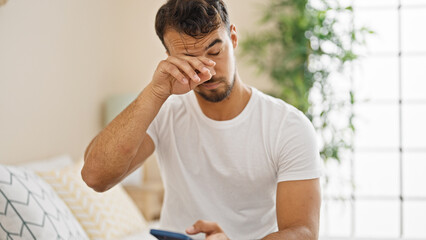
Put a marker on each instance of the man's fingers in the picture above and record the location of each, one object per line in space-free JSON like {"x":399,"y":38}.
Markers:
{"x":185,"y":67}
{"x":207,"y":61}
{"x":206,"y":227}
{"x":202,"y":67}
{"x":205,"y":77}
{"x":195,"y":67}
{"x":174,"y":72}
{"x":191,"y":230}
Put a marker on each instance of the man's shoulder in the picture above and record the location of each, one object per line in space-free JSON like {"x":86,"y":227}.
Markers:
{"x":274,"y":104}
{"x":268,"y":99}
{"x":279,"y":110}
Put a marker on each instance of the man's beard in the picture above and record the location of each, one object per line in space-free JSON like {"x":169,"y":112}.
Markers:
{"x":215,"y":95}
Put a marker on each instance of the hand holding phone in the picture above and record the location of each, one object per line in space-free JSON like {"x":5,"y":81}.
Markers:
{"x":166,"y":235}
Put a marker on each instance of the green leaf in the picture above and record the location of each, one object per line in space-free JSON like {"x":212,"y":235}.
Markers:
{"x":289,"y":49}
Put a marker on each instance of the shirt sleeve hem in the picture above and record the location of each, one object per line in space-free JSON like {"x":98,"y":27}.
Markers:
{"x":301,"y":176}
{"x":154,"y":139}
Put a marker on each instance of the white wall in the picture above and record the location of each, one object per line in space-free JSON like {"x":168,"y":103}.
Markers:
{"x":60,"y":60}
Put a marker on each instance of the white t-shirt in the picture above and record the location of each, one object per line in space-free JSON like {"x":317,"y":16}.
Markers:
{"x":227,"y":171}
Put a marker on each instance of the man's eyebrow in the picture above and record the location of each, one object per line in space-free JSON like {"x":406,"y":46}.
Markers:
{"x":213,"y":43}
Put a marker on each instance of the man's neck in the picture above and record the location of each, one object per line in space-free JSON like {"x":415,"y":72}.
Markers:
{"x":231,"y":106}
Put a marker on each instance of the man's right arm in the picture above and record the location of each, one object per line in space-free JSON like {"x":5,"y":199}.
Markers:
{"x":123,"y":145}
{"x":112,"y":153}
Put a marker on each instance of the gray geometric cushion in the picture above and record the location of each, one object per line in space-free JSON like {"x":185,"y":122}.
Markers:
{"x":30,"y":209}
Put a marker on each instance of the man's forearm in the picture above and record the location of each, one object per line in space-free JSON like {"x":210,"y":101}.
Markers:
{"x":293,"y":233}
{"x":109,"y":155}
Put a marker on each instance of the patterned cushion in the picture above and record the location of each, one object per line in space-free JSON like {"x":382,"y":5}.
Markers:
{"x":30,"y":208}
{"x":109,"y":215}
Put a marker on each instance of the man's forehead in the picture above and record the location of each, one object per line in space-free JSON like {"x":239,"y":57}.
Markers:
{"x":181,"y":43}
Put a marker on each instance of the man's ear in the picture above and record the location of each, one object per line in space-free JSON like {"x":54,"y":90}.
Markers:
{"x":233,"y":35}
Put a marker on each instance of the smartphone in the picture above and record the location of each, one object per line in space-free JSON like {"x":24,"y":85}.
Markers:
{"x":166,"y":235}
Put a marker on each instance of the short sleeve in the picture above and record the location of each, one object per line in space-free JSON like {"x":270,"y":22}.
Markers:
{"x":298,"y":152}
{"x":157,"y":125}
{"x":152,"y":131}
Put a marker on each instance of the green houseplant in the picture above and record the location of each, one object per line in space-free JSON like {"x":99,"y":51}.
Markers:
{"x":305,"y":48}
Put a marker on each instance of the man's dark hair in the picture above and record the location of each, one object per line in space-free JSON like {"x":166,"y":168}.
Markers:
{"x":196,"y":18}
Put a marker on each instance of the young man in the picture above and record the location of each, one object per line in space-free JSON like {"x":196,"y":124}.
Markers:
{"x":235,"y":162}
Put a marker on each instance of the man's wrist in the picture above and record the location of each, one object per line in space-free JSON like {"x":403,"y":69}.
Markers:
{"x":159,"y":97}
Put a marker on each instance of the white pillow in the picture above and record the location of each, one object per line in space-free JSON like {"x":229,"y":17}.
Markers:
{"x":30,"y":208}
{"x":62,"y":161}
{"x":111,"y":215}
